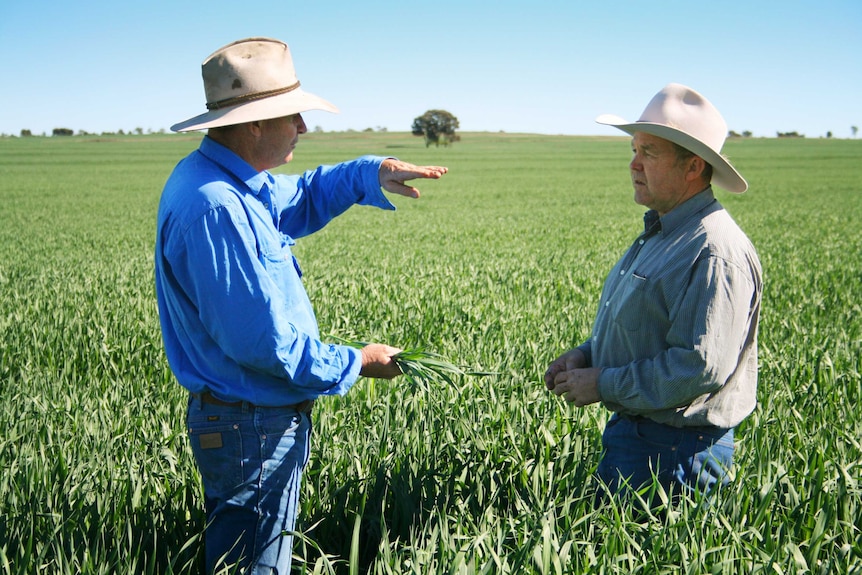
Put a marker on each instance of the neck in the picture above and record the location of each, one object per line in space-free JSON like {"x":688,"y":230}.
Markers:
{"x":237,"y":140}
{"x":690,"y":192}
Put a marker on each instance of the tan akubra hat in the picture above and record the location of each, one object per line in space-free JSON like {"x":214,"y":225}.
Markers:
{"x":249,"y":80}
{"x":681,"y":115}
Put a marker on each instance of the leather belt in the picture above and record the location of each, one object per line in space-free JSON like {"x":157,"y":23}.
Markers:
{"x":699,"y":428}
{"x":207,"y":397}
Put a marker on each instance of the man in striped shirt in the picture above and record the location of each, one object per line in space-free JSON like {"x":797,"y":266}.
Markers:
{"x":673,"y":350}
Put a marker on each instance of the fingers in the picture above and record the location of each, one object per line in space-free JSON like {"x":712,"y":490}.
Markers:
{"x":578,"y":386}
{"x":572,"y":359}
{"x":410,"y":172}
{"x":404,"y":171}
{"x":551,"y":374}
{"x":565,"y":390}
{"x":401,"y":189}
{"x":563,"y":379}
{"x":393,"y":174}
{"x":568,"y":391}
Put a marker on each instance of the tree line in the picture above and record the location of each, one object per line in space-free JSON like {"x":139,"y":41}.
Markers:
{"x":437,"y":127}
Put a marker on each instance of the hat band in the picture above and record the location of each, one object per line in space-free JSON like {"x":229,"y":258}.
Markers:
{"x":250,"y":97}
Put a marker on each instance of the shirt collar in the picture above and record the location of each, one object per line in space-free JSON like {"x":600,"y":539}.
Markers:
{"x":675,"y":218}
{"x":651,"y":220}
{"x":235,"y":165}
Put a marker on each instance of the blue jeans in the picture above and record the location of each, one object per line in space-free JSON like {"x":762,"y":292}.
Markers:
{"x":251,"y":461}
{"x":684,"y":460}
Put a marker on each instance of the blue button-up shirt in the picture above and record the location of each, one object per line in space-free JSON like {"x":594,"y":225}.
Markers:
{"x":676,"y":330}
{"x":235,"y":317}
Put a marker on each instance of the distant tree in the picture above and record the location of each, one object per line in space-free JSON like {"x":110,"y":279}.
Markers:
{"x":437,"y":127}
{"x":746,"y":134}
{"x":829,"y":134}
{"x":62,"y":132}
{"x":854,"y":130}
{"x":318,"y":129}
{"x":26,"y":133}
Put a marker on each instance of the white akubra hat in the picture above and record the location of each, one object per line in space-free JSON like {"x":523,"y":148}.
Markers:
{"x":249,"y":80}
{"x":684,"y":117}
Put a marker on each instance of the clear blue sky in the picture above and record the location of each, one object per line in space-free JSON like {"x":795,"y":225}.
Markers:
{"x":543,"y":66}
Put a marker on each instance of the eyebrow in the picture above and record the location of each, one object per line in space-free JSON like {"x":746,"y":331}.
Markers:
{"x":646,"y":146}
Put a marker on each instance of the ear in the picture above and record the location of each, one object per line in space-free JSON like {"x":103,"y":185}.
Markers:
{"x":695,"y":168}
{"x":255,"y":128}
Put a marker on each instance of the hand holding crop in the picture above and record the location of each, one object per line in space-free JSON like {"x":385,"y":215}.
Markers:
{"x":377,"y":361}
{"x":393,"y":173}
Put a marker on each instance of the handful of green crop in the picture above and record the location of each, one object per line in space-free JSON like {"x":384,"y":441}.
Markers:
{"x":421,"y":367}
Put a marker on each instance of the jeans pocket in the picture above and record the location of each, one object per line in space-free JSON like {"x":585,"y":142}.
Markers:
{"x":218,"y":453}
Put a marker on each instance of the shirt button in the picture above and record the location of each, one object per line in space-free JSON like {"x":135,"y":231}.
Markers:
{"x":641,"y":242}
{"x":607,"y":303}
{"x":622,"y":272}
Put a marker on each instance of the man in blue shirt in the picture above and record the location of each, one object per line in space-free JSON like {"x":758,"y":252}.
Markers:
{"x":239,"y":330}
{"x":673,"y":350}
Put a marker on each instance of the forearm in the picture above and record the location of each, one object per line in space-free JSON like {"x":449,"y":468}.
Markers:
{"x":310,"y":201}
{"x":701,"y":347}
{"x":671,"y":380}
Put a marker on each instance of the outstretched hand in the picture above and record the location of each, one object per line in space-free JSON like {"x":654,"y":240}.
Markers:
{"x":393,"y":174}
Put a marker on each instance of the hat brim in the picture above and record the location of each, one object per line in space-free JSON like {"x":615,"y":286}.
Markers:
{"x":294,"y":102}
{"x":724,"y":175}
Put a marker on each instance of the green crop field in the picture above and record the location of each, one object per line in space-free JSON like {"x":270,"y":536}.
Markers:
{"x":498,"y":268}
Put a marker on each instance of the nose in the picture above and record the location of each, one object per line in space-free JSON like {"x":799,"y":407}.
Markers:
{"x":301,"y":128}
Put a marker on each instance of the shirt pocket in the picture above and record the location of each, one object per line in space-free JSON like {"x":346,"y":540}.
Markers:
{"x":278,"y":259}
{"x":629,"y":304}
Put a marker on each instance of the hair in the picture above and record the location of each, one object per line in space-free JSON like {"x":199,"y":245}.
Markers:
{"x":221,"y":131}
{"x":683,"y":154}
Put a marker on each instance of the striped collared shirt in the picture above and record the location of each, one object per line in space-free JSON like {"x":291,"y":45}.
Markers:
{"x":676,"y":330}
